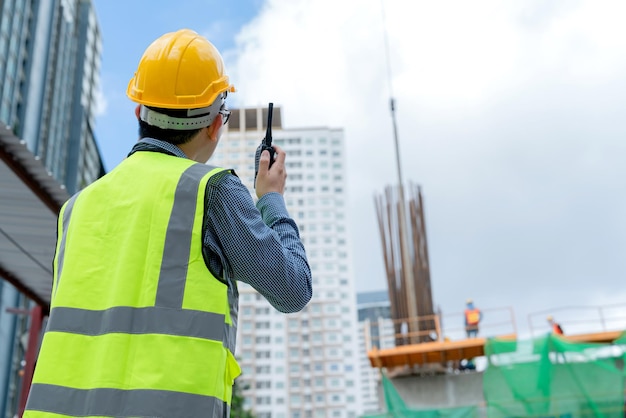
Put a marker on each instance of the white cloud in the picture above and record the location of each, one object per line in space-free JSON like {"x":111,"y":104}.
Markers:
{"x":510,"y":114}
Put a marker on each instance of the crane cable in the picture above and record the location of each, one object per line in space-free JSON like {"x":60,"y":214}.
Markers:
{"x":391,"y":99}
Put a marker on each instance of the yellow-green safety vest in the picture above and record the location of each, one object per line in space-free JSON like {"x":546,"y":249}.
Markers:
{"x":138,"y":325}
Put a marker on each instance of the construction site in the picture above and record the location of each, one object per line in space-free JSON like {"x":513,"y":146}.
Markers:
{"x":484,"y":361}
{"x":430,"y":366}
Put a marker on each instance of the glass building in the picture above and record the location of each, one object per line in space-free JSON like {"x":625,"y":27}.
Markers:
{"x":50,"y":52}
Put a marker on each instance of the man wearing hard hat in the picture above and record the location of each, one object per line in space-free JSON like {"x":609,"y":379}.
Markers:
{"x":144,"y":302}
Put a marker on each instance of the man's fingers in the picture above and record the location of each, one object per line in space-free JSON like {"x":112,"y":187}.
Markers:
{"x":264,"y":161}
{"x":280,"y":155}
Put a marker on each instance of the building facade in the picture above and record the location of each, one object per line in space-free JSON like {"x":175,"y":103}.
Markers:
{"x":306,"y":364}
{"x":50,"y":55}
{"x":375,"y":331}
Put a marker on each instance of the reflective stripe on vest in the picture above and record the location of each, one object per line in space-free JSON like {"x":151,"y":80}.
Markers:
{"x":127,"y":320}
{"x":64,"y":219}
{"x":126,"y":403}
{"x":175,"y":326}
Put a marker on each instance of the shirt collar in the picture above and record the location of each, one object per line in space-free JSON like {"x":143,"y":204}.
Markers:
{"x":166,"y":146}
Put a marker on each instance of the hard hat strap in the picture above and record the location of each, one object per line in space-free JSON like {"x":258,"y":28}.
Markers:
{"x":163,"y":121}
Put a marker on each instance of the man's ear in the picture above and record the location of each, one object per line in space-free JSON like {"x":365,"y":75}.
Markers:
{"x":137,"y":111}
{"x":215,"y":127}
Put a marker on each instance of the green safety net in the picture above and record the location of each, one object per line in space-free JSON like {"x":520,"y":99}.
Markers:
{"x":396,"y":407}
{"x":547,"y":377}
{"x":551,"y":377}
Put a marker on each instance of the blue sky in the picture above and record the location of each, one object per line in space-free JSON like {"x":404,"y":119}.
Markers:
{"x":510,"y":116}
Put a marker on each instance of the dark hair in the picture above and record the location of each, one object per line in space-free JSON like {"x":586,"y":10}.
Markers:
{"x":172,"y":136}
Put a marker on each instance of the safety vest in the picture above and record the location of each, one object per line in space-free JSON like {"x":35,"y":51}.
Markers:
{"x":472,"y":316}
{"x":138,"y":325}
{"x":556,"y":328}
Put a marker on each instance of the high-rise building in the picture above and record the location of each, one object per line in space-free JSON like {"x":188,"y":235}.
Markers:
{"x":375,"y":331}
{"x":50,"y":55}
{"x":306,"y":364}
{"x":50,"y":72}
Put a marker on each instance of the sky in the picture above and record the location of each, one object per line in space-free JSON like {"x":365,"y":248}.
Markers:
{"x":511,"y":117}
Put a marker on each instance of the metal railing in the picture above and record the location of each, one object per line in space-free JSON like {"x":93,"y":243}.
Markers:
{"x":387,"y":333}
{"x":579,"y":319}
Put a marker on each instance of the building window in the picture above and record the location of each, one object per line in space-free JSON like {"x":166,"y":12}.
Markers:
{"x":263,"y":369}
{"x":262,"y":354}
{"x":263,"y":384}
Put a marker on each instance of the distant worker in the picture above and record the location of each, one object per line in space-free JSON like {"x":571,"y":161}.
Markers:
{"x":143,"y":313}
{"x":556,"y":328}
{"x":473,"y":316}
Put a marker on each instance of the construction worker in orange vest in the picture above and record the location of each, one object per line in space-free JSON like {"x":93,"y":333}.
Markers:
{"x":556,"y":328}
{"x":473,"y":316}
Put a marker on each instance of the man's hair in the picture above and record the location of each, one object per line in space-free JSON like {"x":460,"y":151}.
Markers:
{"x":173,"y":136}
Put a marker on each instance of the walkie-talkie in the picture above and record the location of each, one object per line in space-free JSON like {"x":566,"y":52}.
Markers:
{"x":266,"y":143}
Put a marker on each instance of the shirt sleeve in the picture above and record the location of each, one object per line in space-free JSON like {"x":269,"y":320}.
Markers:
{"x":260,"y":245}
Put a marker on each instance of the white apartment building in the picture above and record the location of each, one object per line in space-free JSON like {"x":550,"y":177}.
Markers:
{"x":301,"y":365}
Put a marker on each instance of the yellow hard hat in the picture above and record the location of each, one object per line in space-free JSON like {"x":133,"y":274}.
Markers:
{"x":180,"y":70}
{"x":469,"y":301}
{"x":549,"y":318}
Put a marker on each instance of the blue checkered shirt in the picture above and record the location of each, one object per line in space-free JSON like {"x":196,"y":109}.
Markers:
{"x":259,"y":245}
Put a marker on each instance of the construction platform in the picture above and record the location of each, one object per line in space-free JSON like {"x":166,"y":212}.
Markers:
{"x":444,"y":351}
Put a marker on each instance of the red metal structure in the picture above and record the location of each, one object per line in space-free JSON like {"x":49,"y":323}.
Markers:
{"x":34,"y":333}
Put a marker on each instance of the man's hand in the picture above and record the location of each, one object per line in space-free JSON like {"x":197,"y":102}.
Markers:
{"x":271,"y":179}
